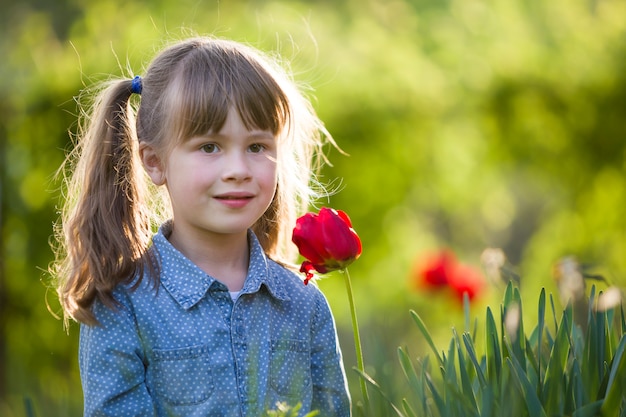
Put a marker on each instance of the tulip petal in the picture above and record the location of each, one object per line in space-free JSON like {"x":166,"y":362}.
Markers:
{"x":306,"y":237}
{"x":340,"y":241}
{"x":307,"y":250}
{"x":308,"y":269}
{"x":344,"y":217}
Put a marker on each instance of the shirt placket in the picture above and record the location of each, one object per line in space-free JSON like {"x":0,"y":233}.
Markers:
{"x":233,"y":314}
{"x":239,"y":342}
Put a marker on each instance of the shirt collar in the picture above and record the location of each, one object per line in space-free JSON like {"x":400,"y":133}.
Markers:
{"x":188,"y":284}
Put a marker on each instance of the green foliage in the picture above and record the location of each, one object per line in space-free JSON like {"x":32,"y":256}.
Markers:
{"x":469,"y":123}
{"x":551,"y":373}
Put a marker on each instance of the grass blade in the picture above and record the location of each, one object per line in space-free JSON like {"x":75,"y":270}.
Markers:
{"x":466,"y":383}
{"x":589,"y":410}
{"x":541,"y":321}
{"x":374,"y":384}
{"x":408,"y":409}
{"x":494,"y":355}
{"x":528,"y":391}
{"x":422,"y":327}
{"x":552,"y":393}
{"x":415,"y":383}
{"x":472,"y":355}
{"x":616,"y":388}
{"x":438,"y":399}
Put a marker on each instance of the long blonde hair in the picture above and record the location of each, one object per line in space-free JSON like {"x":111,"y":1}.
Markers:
{"x":107,"y":218}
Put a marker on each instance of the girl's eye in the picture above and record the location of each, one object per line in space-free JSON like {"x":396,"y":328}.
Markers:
{"x":256,"y":148}
{"x":209,"y":148}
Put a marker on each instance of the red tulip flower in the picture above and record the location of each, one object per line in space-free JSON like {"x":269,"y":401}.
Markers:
{"x":466,"y":280}
{"x":442,"y":270}
{"x":436,"y":270}
{"x":327,"y":241}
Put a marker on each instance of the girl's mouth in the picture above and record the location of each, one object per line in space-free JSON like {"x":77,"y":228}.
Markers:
{"x":234,"y":200}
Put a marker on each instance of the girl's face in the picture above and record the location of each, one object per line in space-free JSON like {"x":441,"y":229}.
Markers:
{"x":220,"y":183}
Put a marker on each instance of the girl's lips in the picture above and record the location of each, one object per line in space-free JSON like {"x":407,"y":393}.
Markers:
{"x":234,"y":200}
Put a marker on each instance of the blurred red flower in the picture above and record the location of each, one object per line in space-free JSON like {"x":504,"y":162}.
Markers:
{"x":441,"y":270}
{"x":466,"y":279}
{"x":436,"y":269}
{"x":327,"y":241}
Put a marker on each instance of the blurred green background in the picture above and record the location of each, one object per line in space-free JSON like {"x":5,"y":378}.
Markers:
{"x":468,"y":123}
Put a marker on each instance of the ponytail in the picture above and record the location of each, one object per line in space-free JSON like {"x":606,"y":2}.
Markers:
{"x":106,"y":226}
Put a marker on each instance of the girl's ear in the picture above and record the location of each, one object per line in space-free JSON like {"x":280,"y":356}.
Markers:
{"x":152,"y":163}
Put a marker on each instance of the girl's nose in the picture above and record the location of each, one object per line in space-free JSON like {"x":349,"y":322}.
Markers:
{"x":236,"y":167}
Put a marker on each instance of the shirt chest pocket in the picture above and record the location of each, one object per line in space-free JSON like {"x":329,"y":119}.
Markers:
{"x":290,"y":367}
{"x":183,"y":376}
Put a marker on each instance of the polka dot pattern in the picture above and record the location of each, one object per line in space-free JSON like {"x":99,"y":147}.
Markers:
{"x":187,"y":348}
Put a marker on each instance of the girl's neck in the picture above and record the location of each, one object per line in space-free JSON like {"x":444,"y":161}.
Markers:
{"x":224,"y":257}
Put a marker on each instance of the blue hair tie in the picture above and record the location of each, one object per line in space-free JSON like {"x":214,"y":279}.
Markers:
{"x":136,"y":86}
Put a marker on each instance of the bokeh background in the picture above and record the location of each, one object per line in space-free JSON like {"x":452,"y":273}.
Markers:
{"x":469,"y":124}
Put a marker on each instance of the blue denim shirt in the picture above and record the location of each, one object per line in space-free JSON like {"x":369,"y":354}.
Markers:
{"x":186,"y":349}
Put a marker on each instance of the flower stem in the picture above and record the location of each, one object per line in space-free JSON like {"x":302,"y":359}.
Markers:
{"x":357,"y":339}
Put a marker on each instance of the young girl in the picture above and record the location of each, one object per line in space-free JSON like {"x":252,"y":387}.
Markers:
{"x":201,"y":319}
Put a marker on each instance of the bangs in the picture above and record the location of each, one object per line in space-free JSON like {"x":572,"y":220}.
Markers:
{"x":212,"y":79}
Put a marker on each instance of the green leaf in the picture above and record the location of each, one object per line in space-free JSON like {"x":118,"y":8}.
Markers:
{"x":592,"y":297}
{"x":575,"y":395}
{"x":466,"y":311}
{"x":541,"y":313}
{"x":472,"y":355}
{"x":533,"y":370}
{"x":374,"y":384}
{"x":593,"y":358}
{"x":589,"y":410}
{"x":415,"y":383}
{"x":616,"y":388}
{"x":466,"y":383}
{"x":457,"y":403}
{"x":475,"y":331}
{"x":518,"y":339}
{"x":556,"y":324}
{"x":508,"y":294}
{"x":408,"y":409}
{"x":601,"y":342}
{"x":528,"y":391}
{"x":450,"y":365}
{"x":494,"y":356}
{"x":487,"y":408}
{"x":611,"y":342}
{"x":552,"y":393}
{"x":422,"y":327}
{"x":438,"y":399}
{"x":623,"y":319}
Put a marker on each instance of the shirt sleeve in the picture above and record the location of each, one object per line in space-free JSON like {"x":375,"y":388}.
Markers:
{"x":112,"y":369}
{"x":330,"y":391}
